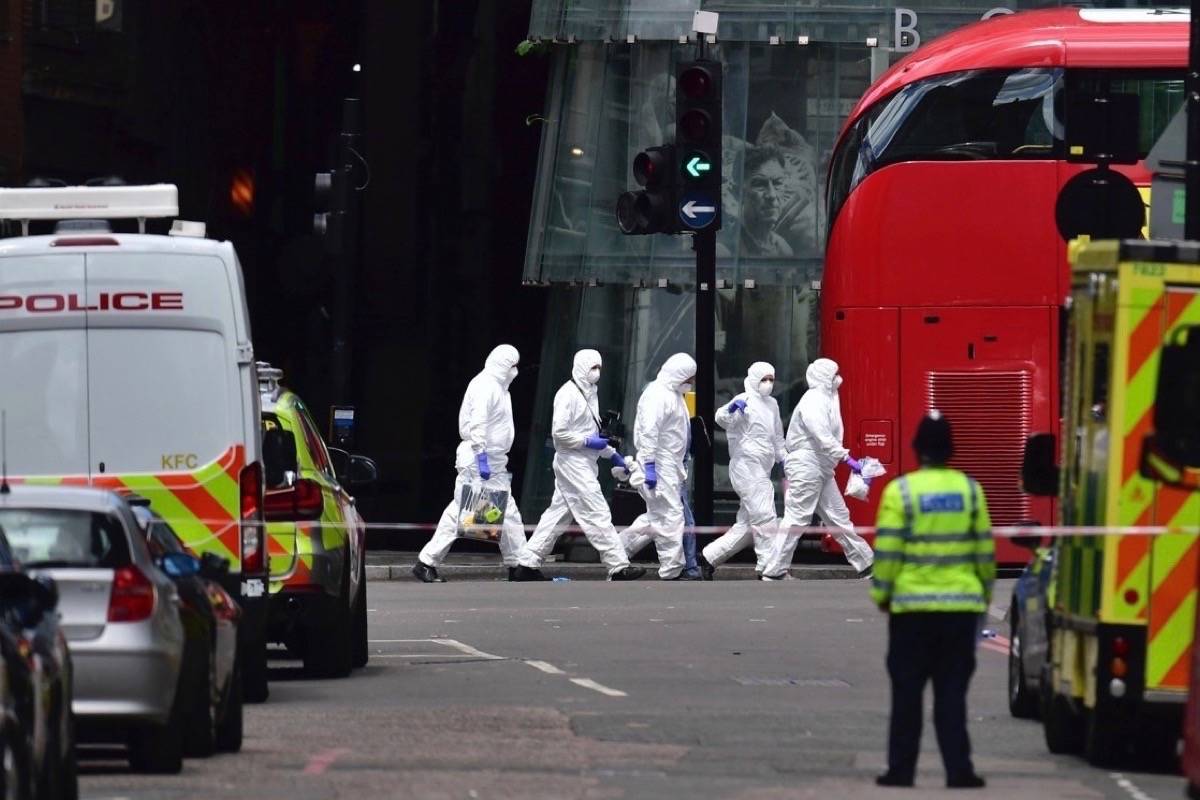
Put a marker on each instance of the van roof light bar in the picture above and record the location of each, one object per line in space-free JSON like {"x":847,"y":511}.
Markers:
{"x":153,"y":201}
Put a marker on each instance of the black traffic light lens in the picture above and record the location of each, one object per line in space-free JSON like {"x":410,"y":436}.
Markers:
{"x":645,"y":169}
{"x":696,"y":83}
{"x":695,"y":125}
{"x":629,"y":220}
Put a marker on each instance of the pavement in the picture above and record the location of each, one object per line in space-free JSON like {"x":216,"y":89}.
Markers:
{"x":397,"y":566}
{"x":598,"y":691}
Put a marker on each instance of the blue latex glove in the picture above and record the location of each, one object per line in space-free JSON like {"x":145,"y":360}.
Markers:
{"x":651,"y":475}
{"x":485,"y":471}
{"x":854,"y":464}
{"x":618,"y":460}
{"x":596,"y":443}
{"x":736,"y":406}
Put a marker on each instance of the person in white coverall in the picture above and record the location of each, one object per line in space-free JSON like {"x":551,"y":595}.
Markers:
{"x":755,"y":446}
{"x":660,"y":434}
{"x":577,"y":444}
{"x":814,"y":445}
{"x":485,"y":423}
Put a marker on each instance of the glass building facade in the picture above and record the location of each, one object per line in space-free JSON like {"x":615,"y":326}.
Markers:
{"x":794,"y":69}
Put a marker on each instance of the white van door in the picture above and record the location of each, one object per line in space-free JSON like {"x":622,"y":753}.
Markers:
{"x":161,"y":372}
{"x":43,"y":364}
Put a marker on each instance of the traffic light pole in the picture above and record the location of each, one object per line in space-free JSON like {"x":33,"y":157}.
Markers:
{"x":704,"y":242}
{"x":1191,"y":168}
{"x":346,"y":260}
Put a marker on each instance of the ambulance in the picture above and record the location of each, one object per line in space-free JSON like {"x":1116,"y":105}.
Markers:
{"x":126,"y":364}
{"x":1121,"y":624}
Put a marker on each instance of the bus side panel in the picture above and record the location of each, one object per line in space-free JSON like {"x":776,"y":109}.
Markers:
{"x":865,"y":344}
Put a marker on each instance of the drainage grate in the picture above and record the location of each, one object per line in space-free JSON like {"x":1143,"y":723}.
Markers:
{"x":825,"y":683}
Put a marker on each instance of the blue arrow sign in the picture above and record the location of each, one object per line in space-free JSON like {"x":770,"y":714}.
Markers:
{"x":697,"y":210}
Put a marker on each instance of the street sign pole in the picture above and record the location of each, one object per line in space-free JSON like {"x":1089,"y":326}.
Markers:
{"x":704,"y":242}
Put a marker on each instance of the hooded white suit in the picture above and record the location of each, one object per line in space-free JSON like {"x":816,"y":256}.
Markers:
{"x":485,"y":423}
{"x":576,"y":486}
{"x":755,"y":445}
{"x":660,"y":434}
{"x":814,"y":444}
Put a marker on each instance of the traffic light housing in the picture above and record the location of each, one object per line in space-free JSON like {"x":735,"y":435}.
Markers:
{"x":698,"y":144}
{"x":330,"y":193}
{"x":651,"y":210}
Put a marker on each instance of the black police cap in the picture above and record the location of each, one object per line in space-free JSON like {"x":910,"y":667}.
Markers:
{"x":934,"y":440}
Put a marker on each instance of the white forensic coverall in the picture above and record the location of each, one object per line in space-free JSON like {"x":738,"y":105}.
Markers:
{"x":814,"y":444}
{"x":576,"y":485}
{"x":755,"y":445}
{"x":485,"y":423}
{"x":660,"y":434}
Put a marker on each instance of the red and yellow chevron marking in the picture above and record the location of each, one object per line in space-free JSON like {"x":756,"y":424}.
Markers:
{"x":1159,"y":574}
{"x":202,"y":506}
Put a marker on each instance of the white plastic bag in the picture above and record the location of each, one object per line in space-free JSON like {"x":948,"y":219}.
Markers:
{"x":859,"y":485}
{"x":482,"y":507}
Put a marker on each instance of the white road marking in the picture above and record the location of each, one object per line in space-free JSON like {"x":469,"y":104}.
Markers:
{"x":466,"y":648}
{"x":854,"y":619}
{"x":656,"y":620}
{"x":588,"y":683}
{"x":758,"y":620}
{"x":421,"y":655}
{"x":546,"y":667}
{"x":1130,"y":787}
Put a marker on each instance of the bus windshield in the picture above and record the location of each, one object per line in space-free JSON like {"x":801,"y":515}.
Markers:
{"x":974,"y":115}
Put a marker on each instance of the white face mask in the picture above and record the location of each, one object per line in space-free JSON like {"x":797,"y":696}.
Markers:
{"x":512,"y":374}
{"x":837,"y":382}
{"x":593,"y":376}
{"x":684,"y":388}
{"x":766,"y":387}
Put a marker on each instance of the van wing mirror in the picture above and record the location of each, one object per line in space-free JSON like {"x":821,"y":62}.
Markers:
{"x":1171,"y":454}
{"x":279,"y":456}
{"x":1039,"y":474}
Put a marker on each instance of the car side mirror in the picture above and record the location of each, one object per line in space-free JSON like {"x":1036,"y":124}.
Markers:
{"x":1039,"y":473}
{"x":363,"y":471}
{"x":32,"y":597}
{"x":279,"y":456}
{"x":213,"y":567}
{"x":180,"y":565}
{"x":340,"y":460}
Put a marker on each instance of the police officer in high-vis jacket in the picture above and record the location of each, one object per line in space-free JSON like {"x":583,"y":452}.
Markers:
{"x":934,"y":567}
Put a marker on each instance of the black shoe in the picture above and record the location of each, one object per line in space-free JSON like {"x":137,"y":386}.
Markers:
{"x":684,"y":576}
{"x":523,"y":574}
{"x":426,"y":574}
{"x":889,"y":779}
{"x":968,"y":781}
{"x":868,"y":572}
{"x":630,"y":573}
{"x":706,"y":569}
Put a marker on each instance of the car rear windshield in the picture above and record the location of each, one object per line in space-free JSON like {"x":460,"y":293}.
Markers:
{"x":64,"y":538}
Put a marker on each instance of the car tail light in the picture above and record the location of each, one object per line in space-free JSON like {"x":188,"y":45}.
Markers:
{"x":254,"y":546}
{"x":132,"y":597}
{"x":303,"y":500}
{"x":1120,"y":647}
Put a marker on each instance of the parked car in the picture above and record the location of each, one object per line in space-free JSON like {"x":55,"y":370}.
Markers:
{"x":37,"y":732}
{"x":212,"y":683}
{"x":119,"y":614}
{"x":1029,"y":637}
{"x":318,"y":586}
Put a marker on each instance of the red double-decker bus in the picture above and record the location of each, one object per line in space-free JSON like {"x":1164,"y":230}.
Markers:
{"x":945,"y":275}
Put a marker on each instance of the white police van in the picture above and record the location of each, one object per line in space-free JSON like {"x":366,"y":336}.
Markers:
{"x":127,"y":364}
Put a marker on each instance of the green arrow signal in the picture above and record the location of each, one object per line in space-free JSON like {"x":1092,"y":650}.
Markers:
{"x":698,"y":165}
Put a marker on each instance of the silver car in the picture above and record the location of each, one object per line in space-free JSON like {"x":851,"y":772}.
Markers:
{"x":119,"y":614}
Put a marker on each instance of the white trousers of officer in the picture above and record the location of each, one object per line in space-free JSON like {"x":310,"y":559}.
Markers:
{"x":512,"y":535}
{"x":812,"y":489}
{"x":755,"y":521}
{"x":663,"y":524}
{"x":576,"y":494}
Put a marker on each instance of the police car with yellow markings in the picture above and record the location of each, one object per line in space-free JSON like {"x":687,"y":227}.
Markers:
{"x":318,"y":587}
